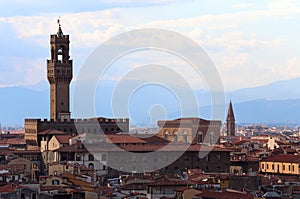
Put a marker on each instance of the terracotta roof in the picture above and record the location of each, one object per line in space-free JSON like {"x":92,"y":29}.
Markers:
{"x":283,"y":158}
{"x":123,"y":139}
{"x":224,"y":195}
{"x":77,"y":147}
{"x":15,"y":141}
{"x":174,"y":147}
{"x":259,"y":140}
{"x":63,"y":139}
{"x":12,"y":141}
{"x":26,"y":152}
{"x":167,"y":182}
{"x":135,"y":186}
{"x":181,"y":189}
{"x":152,"y":138}
{"x":240,"y":142}
{"x":189,"y":119}
{"x":9,"y":188}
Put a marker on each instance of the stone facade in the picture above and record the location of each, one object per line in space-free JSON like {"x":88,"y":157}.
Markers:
{"x":74,"y":127}
{"x":191,"y":130}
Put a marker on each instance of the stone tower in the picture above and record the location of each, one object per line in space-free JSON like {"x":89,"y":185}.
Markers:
{"x":230,"y":121}
{"x":59,"y":74}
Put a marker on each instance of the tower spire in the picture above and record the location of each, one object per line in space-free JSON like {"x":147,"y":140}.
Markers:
{"x":230,"y":121}
{"x":59,"y":32}
{"x":230,"y":114}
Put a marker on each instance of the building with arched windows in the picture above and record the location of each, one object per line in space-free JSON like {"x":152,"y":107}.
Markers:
{"x":190,"y":130}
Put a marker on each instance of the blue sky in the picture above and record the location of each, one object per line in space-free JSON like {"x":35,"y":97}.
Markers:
{"x":252,"y":43}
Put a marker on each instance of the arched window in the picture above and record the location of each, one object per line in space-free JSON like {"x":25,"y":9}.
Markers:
{"x":91,"y":157}
{"x":166,"y":135}
{"x":185,"y":138}
{"x":176,"y":136}
{"x":91,"y":166}
{"x":60,"y":53}
{"x":200,"y":137}
{"x":211,"y":138}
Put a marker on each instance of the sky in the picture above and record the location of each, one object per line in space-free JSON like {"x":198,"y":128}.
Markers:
{"x":252,"y":43}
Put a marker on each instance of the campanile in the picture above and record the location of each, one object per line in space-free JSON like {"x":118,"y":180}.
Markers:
{"x":59,"y":74}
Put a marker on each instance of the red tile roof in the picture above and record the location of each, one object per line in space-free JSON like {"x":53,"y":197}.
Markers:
{"x":174,"y":147}
{"x":224,"y":195}
{"x":152,"y":139}
{"x":123,"y":139}
{"x":12,"y":141}
{"x":283,"y":158}
{"x":9,"y":188}
{"x":63,"y":139}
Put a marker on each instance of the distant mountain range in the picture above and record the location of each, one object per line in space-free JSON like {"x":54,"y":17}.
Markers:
{"x":275,"y":103}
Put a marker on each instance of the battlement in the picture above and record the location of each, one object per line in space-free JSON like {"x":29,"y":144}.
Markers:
{"x":55,"y":38}
{"x":101,"y":120}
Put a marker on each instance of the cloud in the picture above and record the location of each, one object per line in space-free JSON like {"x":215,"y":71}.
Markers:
{"x":23,"y":71}
{"x":232,"y":38}
{"x":243,"y":5}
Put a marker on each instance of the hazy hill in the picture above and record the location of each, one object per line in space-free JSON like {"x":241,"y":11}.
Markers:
{"x":278,"y":102}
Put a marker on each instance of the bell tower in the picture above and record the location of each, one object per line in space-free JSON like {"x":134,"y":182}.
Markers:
{"x":230,"y":121}
{"x":59,"y":74}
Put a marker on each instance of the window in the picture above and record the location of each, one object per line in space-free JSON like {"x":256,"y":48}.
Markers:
{"x":103,"y":158}
{"x":175,"y":136}
{"x":211,"y":138}
{"x":186,"y":158}
{"x":263,"y":166}
{"x":167,"y":135}
{"x":289,"y":167}
{"x":200,"y":137}
{"x":55,"y":182}
{"x":60,"y":53}
{"x":207,"y":157}
{"x":91,"y":166}
{"x":293,"y":168}
{"x":185,"y":136}
{"x":91,"y":157}
{"x":267,"y":166}
{"x":283,"y":167}
{"x":272,"y":166}
{"x":78,"y":157}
